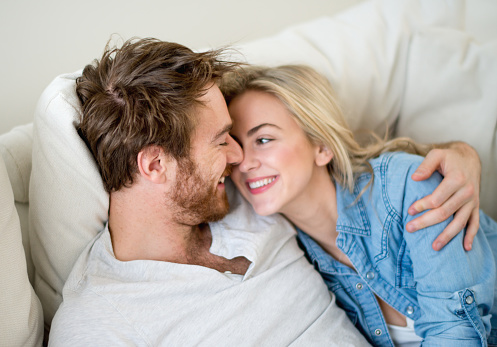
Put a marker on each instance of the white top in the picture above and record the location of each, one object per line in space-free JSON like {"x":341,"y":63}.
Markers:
{"x":404,"y":336}
{"x":280,"y":301}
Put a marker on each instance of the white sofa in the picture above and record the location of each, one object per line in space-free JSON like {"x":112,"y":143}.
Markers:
{"x":426,"y":68}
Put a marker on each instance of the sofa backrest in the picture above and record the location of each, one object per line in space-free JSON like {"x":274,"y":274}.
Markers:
{"x":15,"y":149}
{"x":21,"y":318}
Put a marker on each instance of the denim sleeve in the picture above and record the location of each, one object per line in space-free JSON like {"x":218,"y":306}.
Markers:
{"x":454,"y":287}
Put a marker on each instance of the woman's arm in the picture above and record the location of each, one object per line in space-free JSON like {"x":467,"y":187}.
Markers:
{"x":458,"y":194}
{"x":454,"y":287}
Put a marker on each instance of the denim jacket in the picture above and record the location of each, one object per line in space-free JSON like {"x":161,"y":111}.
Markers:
{"x":448,"y":294}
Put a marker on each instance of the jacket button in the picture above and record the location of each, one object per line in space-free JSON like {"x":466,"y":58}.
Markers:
{"x":377,"y":332}
{"x":469,"y":300}
{"x":370,"y":275}
{"x":410,"y":310}
{"x":358,"y":286}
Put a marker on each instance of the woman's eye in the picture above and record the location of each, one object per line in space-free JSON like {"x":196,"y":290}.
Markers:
{"x":223,"y":144}
{"x":262,"y":141}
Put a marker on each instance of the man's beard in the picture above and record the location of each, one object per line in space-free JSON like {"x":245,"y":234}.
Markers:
{"x":196,"y":199}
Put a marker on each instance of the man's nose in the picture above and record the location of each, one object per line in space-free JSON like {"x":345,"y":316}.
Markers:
{"x":235,"y":153}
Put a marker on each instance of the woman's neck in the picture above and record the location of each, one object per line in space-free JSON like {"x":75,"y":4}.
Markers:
{"x":316,"y":214}
{"x":315,"y":210}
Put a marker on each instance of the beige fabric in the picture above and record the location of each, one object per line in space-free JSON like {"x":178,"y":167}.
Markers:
{"x":21,"y":318}
{"x":15,"y":149}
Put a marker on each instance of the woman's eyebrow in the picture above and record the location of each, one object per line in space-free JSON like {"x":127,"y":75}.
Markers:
{"x":256,"y":128}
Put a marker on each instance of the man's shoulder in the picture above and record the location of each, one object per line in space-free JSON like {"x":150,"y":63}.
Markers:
{"x":85,"y":317}
{"x":85,"y":264}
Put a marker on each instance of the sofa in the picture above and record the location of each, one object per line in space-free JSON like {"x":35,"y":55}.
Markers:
{"x":426,"y":69}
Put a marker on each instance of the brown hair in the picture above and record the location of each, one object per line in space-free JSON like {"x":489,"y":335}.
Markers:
{"x":144,"y":93}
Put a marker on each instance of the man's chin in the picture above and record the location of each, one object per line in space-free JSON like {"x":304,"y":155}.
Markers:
{"x":218,"y":213}
{"x":215,"y":217}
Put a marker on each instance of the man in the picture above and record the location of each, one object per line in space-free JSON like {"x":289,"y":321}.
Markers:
{"x":164,"y":272}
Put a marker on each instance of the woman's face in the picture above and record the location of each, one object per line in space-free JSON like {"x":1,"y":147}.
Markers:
{"x":279,"y":159}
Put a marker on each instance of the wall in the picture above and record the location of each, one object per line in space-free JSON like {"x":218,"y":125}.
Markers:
{"x":42,"y":39}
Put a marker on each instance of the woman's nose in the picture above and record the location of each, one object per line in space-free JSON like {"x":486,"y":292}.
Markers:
{"x":249,"y":162}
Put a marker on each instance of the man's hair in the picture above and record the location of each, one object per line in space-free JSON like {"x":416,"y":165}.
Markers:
{"x":143,"y":93}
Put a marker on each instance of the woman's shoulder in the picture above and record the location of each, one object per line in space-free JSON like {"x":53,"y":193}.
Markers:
{"x":396,"y":168}
{"x":392,"y":177}
{"x":395,"y":161}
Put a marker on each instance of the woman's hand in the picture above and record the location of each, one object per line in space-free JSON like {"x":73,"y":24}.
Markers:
{"x":458,"y":193}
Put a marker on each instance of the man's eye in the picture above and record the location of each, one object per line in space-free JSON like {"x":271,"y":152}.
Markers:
{"x":223,"y":144}
{"x":262,"y":141}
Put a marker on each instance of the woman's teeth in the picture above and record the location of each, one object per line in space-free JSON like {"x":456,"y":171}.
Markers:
{"x":261,"y":183}
{"x":221,"y":180}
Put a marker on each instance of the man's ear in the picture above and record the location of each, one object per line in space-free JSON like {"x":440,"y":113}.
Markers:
{"x":323,"y":155}
{"x":153,"y":164}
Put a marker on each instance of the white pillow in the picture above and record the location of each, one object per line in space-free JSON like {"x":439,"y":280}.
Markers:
{"x":362,"y":51}
{"x":68,"y":204}
{"x":451,"y":94}
{"x":21,"y":318}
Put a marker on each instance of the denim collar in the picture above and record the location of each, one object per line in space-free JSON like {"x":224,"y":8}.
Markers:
{"x":352,"y":216}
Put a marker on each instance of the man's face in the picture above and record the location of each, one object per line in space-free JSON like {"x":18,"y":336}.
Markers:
{"x":199,"y":192}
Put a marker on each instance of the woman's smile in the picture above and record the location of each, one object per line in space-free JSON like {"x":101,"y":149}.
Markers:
{"x":260,"y":185}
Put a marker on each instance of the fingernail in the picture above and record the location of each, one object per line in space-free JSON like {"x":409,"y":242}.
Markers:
{"x":412,"y":211}
{"x":418,"y":172}
{"x":411,"y":228}
{"x":470,"y":247}
{"x":438,"y":245}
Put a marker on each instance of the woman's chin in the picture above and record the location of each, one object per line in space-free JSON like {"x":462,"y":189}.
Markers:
{"x":264,"y":210}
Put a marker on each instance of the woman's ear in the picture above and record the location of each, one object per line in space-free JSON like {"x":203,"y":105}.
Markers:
{"x":153,"y":164}
{"x":323,"y":155}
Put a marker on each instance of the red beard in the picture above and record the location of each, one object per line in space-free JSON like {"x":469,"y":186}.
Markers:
{"x":197,"y":200}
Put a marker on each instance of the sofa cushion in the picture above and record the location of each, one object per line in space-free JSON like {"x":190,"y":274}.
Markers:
{"x":15,"y":148}
{"x":21,"y":318}
{"x":451,"y":85}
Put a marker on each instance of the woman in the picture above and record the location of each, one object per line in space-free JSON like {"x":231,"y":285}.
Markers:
{"x":393,"y":286}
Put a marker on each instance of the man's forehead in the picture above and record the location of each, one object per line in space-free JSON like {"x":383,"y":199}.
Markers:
{"x":212,"y":117}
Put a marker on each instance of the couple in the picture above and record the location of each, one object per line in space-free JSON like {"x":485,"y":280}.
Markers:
{"x":170,"y":270}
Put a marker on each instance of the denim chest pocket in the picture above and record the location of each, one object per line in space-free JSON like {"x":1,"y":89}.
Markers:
{"x":404,"y":275}
{"x":389,"y":251}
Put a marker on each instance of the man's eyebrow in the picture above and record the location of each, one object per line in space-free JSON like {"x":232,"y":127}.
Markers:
{"x":256,"y":128}
{"x":223,"y":131}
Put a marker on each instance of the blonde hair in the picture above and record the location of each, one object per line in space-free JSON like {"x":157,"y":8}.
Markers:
{"x":310,"y":98}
